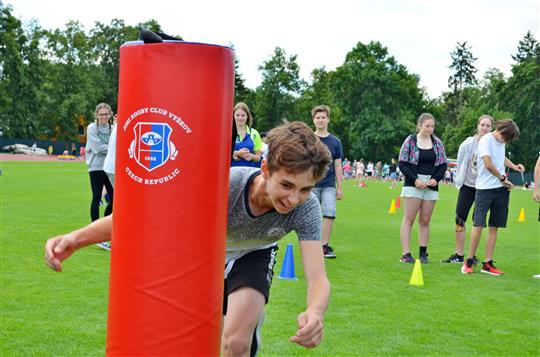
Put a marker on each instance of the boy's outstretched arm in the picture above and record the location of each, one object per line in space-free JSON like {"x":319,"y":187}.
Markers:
{"x":61,"y":247}
{"x":310,"y":322}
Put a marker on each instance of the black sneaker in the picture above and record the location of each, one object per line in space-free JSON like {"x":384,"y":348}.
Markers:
{"x":407,"y":258}
{"x":475,"y":260}
{"x":454,"y":258}
{"x":328,"y":252}
{"x":424,"y":258}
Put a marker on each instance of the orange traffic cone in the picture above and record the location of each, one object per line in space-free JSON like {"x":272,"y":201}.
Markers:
{"x":392,"y":207}
{"x":398,"y":202}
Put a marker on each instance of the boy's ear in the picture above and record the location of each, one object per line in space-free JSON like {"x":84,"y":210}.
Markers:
{"x":264,"y":170}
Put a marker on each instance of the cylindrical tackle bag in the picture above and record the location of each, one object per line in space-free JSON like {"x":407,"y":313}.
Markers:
{"x":171,"y":193}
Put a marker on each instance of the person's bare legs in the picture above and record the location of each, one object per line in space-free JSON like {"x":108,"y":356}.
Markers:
{"x":327,"y":224}
{"x":424,"y":217}
{"x":490,"y":243}
{"x":460,"y":241}
{"x":476,"y":234}
{"x":412,"y":205}
{"x":244,"y":308}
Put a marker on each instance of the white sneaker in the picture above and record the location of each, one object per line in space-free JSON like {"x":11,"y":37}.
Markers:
{"x":537,"y":276}
{"x":105,"y":246}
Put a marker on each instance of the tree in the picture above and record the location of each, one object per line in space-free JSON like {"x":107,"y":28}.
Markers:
{"x":480,"y":102}
{"x":493,"y":85}
{"x":278,"y":91}
{"x":51,"y":80}
{"x":528,"y":48}
{"x":241,"y":92}
{"x":75,"y":81}
{"x":521,"y":97}
{"x":21,"y":76}
{"x":318,"y":92}
{"x":106,"y":41}
{"x":463,"y":76}
{"x":379,"y":100}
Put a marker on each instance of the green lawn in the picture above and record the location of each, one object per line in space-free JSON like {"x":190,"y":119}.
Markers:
{"x":373,"y":309}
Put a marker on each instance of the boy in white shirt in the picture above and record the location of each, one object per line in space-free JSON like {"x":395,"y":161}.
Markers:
{"x":492,"y":192}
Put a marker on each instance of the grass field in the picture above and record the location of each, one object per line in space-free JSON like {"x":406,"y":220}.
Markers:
{"x":373,"y":309}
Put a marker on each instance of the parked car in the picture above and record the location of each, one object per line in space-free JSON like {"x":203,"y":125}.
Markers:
{"x":25,"y":149}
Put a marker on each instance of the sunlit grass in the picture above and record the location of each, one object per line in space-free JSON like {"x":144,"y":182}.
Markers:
{"x":373,"y":309}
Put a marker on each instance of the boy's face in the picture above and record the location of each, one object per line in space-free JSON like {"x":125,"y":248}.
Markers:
{"x":287,"y":190}
{"x":499,"y":137}
{"x":320,"y":119}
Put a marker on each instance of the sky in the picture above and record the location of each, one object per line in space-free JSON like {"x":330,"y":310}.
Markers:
{"x":420,"y":34}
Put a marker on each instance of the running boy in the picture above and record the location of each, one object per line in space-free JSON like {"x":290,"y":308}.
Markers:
{"x":264,"y":205}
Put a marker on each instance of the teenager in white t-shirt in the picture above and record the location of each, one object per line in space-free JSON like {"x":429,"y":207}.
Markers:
{"x":492,"y":192}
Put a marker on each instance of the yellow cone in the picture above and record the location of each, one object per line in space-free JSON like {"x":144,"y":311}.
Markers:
{"x":416,"y":277}
{"x":521,"y":215}
{"x":392,"y":207}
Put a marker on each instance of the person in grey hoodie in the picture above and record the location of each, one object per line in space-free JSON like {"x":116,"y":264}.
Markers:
{"x":98,"y":134}
{"x":465,"y":182}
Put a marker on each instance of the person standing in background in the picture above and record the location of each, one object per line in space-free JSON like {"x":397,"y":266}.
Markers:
{"x":328,"y":189}
{"x":393,"y":174}
{"x":536,"y":193}
{"x":108,"y":167}
{"x":465,"y":183}
{"x":264,"y":150}
{"x":248,"y":143}
{"x":422,"y":160}
{"x":110,"y":158}
{"x":96,"y":149}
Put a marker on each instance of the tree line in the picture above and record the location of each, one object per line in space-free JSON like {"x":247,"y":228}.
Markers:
{"x":51,"y":80}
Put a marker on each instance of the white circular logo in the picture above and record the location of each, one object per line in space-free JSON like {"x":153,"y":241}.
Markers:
{"x":151,"y":138}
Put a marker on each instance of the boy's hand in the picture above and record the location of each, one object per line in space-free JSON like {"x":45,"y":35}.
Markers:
{"x":58,"y":249}
{"x":310,"y":330}
{"x":509,"y":185}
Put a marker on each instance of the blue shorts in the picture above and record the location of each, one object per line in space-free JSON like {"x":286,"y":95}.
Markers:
{"x":327,"y":199}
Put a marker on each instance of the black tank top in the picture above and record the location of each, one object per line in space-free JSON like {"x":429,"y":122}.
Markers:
{"x":426,"y":161}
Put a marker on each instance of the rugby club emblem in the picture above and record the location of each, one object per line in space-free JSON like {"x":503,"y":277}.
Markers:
{"x":152,"y":146}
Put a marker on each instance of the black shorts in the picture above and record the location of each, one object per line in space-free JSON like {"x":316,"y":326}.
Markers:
{"x":495,"y":201}
{"x":464,"y":203}
{"x":254,"y":270}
